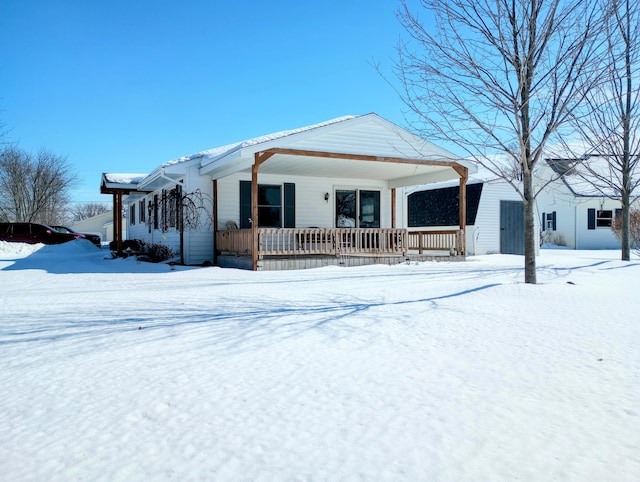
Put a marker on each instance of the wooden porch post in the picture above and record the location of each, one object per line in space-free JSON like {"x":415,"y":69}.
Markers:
{"x":463,"y":172}
{"x":258,"y":159}
{"x":215,"y":219}
{"x":117,"y":219}
{"x":254,"y":213}
{"x":393,"y":207}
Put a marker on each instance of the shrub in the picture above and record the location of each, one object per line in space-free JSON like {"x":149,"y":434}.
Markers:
{"x":157,"y":253}
{"x":152,"y":252}
{"x":558,"y":240}
{"x":129,"y":245}
{"x":634,"y":228}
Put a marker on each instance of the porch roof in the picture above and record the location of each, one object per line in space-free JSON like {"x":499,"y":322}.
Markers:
{"x":364,"y":147}
{"x":125,"y":183}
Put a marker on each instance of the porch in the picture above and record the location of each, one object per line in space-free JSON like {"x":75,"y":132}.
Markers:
{"x":299,"y":248}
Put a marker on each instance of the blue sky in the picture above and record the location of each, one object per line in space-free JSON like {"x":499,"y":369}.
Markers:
{"x":122,"y":86}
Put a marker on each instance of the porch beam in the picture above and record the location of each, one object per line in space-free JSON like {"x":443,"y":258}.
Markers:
{"x":362,"y":157}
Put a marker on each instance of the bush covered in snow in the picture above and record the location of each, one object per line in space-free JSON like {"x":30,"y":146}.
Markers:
{"x":153,"y":252}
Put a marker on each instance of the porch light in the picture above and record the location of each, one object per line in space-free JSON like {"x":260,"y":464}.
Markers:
{"x":326,"y":197}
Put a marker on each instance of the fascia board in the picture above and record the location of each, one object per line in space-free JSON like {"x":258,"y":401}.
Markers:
{"x":225,"y":162}
{"x":427,"y":178}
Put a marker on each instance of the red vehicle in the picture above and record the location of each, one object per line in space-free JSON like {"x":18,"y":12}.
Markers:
{"x":33,"y":233}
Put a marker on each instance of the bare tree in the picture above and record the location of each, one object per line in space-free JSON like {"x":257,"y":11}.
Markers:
{"x":609,"y":123}
{"x":88,"y":210}
{"x":34,"y":188}
{"x":187,"y":211}
{"x":499,"y":79}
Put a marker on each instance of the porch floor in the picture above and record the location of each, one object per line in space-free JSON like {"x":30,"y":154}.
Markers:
{"x":282,"y":263}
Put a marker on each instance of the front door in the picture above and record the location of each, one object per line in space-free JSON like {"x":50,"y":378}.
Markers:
{"x":357,"y":208}
{"x":512,"y":227}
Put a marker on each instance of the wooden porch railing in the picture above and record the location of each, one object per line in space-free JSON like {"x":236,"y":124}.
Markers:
{"x":236,"y":241}
{"x":338,"y":241}
{"x":442,"y":240}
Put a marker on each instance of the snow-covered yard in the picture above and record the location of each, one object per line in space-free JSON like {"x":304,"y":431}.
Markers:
{"x":117,"y":370}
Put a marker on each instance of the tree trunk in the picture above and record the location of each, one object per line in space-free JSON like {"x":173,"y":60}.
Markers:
{"x":624,"y":234}
{"x":530,"y":240}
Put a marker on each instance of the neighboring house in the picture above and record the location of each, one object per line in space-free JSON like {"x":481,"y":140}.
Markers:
{"x":292,"y":199}
{"x":572,"y":211}
{"x":101,"y":224}
{"x":495,"y":215}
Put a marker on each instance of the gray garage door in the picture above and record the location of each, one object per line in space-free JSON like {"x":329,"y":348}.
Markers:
{"x":511,"y":227}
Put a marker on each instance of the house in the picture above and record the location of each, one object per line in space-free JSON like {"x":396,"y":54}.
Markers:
{"x":495,"y":215}
{"x":101,"y":224}
{"x":574,"y":211}
{"x":317,"y":195}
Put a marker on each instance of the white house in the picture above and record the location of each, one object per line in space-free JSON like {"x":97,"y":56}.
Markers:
{"x":101,"y":224}
{"x":495,"y":216}
{"x":295,"y":198}
{"x":573,"y":211}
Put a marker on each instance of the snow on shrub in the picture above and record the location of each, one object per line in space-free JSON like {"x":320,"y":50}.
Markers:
{"x":153,"y":252}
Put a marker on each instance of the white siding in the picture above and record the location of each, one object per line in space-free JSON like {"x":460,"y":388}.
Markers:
{"x":198,"y":244}
{"x":483,"y":237}
{"x":572,"y":218}
{"x":485,"y":234}
{"x":96,"y":225}
{"x":311,"y":208}
{"x":146,"y":232}
{"x":599,"y":238}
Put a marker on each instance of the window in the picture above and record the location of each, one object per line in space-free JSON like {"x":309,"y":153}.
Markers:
{"x":142,"y":211}
{"x":355,"y":208}
{"x":276,"y":205}
{"x":164,"y":208}
{"x":549,"y":221}
{"x":604,"y":218}
{"x":440,"y":207}
{"x":599,"y":218}
{"x":132,"y":214}
{"x":269,"y":206}
{"x":174,"y":202}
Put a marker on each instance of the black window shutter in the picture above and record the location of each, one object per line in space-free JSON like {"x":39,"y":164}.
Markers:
{"x":554,"y":221}
{"x":544,"y":221}
{"x":289,"y":205}
{"x":245,"y":204}
{"x":591,"y":218}
{"x":155,"y":211}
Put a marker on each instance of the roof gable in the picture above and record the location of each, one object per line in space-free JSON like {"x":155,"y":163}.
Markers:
{"x":591,"y":176}
{"x":367,"y":134}
{"x":382,"y":146}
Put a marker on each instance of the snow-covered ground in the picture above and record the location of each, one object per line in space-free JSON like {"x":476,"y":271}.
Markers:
{"x":118,"y":370}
